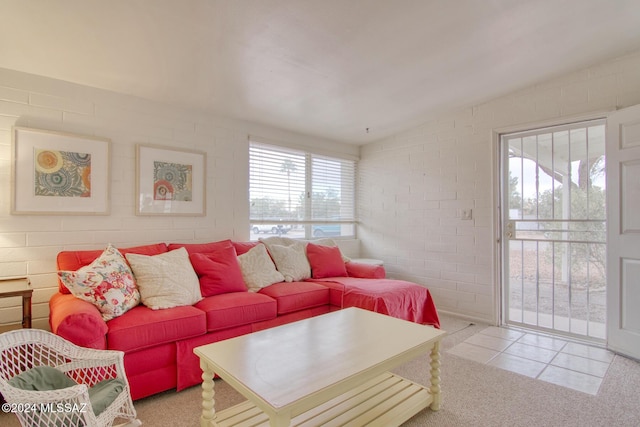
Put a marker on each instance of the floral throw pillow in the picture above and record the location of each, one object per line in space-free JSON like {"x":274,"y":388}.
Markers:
{"x":108,"y":283}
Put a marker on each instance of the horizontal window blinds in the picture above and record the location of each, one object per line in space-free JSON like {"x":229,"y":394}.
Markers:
{"x":297,"y":187}
{"x":332,"y":183}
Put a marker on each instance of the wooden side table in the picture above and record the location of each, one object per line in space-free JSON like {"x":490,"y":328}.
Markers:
{"x":19,"y":287}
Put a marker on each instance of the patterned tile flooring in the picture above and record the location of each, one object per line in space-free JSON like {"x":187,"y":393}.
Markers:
{"x":559,"y":361}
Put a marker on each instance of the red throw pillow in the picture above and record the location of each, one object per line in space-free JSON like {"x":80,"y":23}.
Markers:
{"x":244,"y":247}
{"x":219,"y":272}
{"x":325,"y":261}
{"x":365,"y":271}
{"x":202,"y":248}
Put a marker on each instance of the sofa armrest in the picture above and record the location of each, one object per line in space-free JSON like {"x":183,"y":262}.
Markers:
{"x":77,"y":321}
{"x":365,"y":271}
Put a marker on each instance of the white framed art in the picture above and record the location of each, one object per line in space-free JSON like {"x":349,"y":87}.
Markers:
{"x":59,"y":173}
{"x":170,"y":181}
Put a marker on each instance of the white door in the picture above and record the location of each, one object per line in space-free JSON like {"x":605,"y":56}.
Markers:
{"x":623,"y":234}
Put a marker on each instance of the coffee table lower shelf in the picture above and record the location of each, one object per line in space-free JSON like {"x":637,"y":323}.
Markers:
{"x":387,"y":400}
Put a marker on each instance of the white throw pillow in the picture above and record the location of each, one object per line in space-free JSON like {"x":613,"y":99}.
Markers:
{"x":291,"y":261}
{"x":257,"y":269}
{"x":166,"y":280}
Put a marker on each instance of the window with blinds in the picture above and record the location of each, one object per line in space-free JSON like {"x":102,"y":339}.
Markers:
{"x":302,"y":195}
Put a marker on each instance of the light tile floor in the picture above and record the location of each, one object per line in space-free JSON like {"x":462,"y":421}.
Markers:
{"x":562,"y":362}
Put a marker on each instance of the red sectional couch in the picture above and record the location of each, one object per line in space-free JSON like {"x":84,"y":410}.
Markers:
{"x":158,"y":344}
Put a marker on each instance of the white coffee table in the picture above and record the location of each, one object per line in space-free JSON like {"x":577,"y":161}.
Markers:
{"x":323,"y":371}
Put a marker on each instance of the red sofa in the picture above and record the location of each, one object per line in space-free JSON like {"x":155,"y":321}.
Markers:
{"x":158,"y":344}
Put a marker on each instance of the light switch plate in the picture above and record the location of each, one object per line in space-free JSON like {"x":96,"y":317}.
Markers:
{"x":466,"y":214}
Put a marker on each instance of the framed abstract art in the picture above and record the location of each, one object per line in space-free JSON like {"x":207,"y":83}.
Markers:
{"x":59,"y":173}
{"x":170,"y":181}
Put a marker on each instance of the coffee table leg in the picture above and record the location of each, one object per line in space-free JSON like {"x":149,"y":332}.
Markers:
{"x":435,"y":376}
{"x":208,"y":404}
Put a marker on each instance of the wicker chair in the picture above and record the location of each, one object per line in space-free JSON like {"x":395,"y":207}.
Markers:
{"x":25,"y":349}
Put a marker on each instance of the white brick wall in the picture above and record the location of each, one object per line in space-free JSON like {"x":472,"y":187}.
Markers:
{"x":411,"y":185}
{"x":29,"y":244}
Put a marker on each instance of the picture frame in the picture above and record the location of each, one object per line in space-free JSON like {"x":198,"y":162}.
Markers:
{"x":58,"y":173}
{"x":170,"y":181}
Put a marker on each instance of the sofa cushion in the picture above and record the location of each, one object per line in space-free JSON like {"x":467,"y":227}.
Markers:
{"x":142,"y":327}
{"x":166,"y":280}
{"x":236,"y":309}
{"x":258,"y":269}
{"x":219,"y":272}
{"x":325,"y":261}
{"x":73,"y":260}
{"x":295,"y":296}
{"x":201,"y":248}
{"x":107,"y":283}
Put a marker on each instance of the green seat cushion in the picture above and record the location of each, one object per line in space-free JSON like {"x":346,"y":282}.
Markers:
{"x":46,"y":378}
{"x":42,"y":378}
{"x":103,"y":394}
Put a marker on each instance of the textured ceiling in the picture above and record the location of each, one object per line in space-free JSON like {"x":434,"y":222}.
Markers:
{"x":328,"y":68}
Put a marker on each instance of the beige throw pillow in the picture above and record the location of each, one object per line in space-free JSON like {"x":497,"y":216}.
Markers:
{"x":257,"y":269}
{"x":166,"y":280}
{"x":291,"y":261}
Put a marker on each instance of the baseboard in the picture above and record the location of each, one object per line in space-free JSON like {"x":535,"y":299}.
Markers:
{"x":467,"y":317}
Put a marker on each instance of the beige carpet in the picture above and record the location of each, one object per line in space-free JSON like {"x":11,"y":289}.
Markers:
{"x":473,"y":395}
